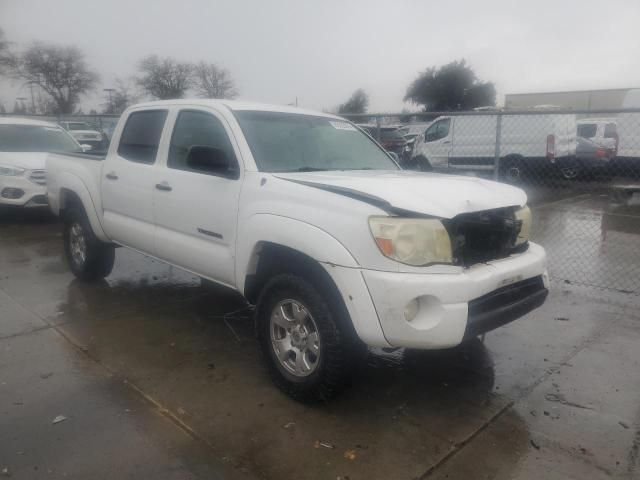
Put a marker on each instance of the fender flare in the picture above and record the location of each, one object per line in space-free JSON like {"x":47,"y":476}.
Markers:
{"x":269,"y":228}
{"x":75,"y":185}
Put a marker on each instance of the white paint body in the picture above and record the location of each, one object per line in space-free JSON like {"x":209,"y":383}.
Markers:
{"x":471,"y":140}
{"x":288,"y":209}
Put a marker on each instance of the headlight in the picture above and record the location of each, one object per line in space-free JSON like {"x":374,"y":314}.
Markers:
{"x":414,"y":241}
{"x":524,"y":215}
{"x":10,"y":171}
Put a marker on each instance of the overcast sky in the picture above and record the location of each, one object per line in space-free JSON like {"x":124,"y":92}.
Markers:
{"x":322,"y":50}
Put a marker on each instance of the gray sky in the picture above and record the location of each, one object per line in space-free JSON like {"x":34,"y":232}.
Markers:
{"x":320,"y":51}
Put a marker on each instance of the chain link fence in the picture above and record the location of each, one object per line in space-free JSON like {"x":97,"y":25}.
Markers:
{"x":580,"y":169}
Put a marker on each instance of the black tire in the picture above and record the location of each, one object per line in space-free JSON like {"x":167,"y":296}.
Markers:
{"x":336,"y":357}
{"x":422,"y":164}
{"x":511,"y":171}
{"x":98,"y":256}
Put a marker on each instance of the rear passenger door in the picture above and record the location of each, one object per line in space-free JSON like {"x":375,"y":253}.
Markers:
{"x":128,"y":180}
{"x":196,"y":212}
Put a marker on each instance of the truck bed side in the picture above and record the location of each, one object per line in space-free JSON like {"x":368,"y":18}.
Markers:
{"x":73,"y":177}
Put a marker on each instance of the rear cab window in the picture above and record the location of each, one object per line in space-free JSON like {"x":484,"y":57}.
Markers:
{"x":141,"y":136}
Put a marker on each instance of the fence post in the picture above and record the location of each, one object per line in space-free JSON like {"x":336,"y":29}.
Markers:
{"x":378,"y":128}
{"x":496,"y":159}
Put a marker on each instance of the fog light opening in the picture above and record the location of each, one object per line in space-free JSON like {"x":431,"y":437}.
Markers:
{"x":411,"y":310}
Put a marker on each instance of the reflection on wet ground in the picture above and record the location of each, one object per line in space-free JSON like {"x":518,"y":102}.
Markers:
{"x":554,"y":395}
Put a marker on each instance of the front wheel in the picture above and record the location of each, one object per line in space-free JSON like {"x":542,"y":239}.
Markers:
{"x":307,"y":350}
{"x":88,"y":258}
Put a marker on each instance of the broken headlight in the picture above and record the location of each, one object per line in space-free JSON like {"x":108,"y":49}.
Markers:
{"x":414,"y":241}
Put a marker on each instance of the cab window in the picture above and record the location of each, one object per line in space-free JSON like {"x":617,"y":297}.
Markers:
{"x":202,"y":129}
{"x":438,"y":130}
{"x":141,"y":136}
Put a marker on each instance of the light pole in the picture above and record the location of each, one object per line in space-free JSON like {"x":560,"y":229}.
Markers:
{"x":110,"y":92}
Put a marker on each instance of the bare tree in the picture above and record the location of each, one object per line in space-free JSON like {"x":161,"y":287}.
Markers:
{"x":164,"y":78}
{"x":5,"y":54}
{"x":60,"y":72}
{"x":121,"y":97}
{"x":212,"y":81}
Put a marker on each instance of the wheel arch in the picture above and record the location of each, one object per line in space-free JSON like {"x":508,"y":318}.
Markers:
{"x":74,"y":193}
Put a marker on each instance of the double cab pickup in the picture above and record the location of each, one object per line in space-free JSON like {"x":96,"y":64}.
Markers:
{"x":312,"y":222}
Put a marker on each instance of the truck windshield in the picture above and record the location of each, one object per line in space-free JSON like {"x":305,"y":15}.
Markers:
{"x":290,"y":142}
{"x":36,"y":138}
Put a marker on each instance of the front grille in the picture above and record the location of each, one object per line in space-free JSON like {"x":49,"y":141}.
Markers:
{"x":484,"y":236}
{"x":38,"y":177}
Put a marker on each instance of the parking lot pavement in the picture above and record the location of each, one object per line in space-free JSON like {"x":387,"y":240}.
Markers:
{"x":157,"y":380}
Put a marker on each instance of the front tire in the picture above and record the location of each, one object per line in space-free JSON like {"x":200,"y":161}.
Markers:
{"x":88,"y":258}
{"x":307,"y":349}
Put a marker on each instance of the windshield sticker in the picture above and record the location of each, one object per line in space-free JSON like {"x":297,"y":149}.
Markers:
{"x":343,"y":126}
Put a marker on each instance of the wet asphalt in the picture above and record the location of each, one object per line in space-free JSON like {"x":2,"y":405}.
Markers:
{"x":159,"y":376}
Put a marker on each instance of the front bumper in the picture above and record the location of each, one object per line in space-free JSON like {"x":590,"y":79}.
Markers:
{"x":22,"y":192}
{"x":451,"y":306}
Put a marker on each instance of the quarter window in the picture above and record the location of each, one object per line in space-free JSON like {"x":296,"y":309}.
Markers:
{"x":141,"y":136}
{"x":192,"y":128}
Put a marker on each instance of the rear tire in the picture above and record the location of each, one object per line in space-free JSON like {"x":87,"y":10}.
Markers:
{"x":308,"y":352}
{"x":512,"y":171}
{"x":88,"y":258}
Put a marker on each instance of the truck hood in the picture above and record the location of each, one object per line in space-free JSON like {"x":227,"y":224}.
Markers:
{"x":431,"y":194}
{"x":28,"y":160}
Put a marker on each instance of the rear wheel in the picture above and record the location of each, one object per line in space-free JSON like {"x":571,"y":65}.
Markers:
{"x":88,"y":257}
{"x":511,"y":171}
{"x":307,"y":350}
{"x":571,"y":170}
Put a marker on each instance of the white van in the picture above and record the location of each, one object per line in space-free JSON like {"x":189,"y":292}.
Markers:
{"x":467,"y":143}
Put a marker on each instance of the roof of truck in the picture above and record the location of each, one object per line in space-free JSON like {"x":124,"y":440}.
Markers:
{"x":25,"y":121}
{"x":236,"y":105}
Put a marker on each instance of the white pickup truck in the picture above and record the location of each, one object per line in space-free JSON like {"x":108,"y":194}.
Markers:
{"x":312,"y":221}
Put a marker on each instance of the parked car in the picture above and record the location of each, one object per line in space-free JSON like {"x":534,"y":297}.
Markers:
{"x":23,"y":149}
{"x":528,"y":143}
{"x":391,"y":138}
{"x":86,"y":134}
{"x":312,"y":222}
{"x":411,"y":133}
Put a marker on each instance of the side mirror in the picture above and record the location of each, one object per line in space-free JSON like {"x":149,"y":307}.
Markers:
{"x":394,"y":155}
{"x":211,"y":160}
{"x":86,"y":148}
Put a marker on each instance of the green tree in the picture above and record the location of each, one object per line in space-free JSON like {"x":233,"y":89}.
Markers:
{"x":451,"y":87}
{"x":60,"y":72}
{"x":164,"y":78}
{"x":357,"y":103}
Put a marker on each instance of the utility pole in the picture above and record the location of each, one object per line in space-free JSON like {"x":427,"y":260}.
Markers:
{"x":110,"y":92}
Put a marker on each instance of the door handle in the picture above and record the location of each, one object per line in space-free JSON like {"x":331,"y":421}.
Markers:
{"x":111,"y":176}
{"x":164,"y":186}
{"x":447,"y":142}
